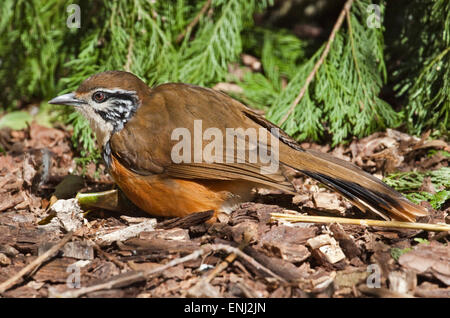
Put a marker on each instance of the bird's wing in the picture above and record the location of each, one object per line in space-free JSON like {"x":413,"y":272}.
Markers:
{"x":151,"y":140}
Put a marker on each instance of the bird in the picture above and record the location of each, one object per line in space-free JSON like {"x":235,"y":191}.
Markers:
{"x":157,"y":144}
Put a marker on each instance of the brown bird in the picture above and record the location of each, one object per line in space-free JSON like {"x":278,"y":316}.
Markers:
{"x":178,"y":149}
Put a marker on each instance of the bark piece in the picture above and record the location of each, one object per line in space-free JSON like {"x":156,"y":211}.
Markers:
{"x":326,"y":248}
{"x":429,"y":259}
{"x":402,"y":282}
{"x":78,"y":249}
{"x":159,"y":246}
{"x":347,"y":243}
{"x":128,"y":232}
{"x":174,"y":234}
{"x":429,"y":290}
{"x":4,"y":260}
{"x":289,"y":234}
{"x":285,"y":269}
{"x":55,"y":271}
{"x":187,"y":221}
{"x":68,"y":214}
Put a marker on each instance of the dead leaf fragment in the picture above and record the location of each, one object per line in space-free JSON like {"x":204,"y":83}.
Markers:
{"x":429,"y":259}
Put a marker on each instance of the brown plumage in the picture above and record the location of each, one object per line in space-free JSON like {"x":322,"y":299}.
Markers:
{"x":140,"y":161}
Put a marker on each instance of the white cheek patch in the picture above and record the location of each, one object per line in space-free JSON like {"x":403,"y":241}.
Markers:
{"x":111,"y":115}
{"x":99,"y":126}
{"x":102,"y":106}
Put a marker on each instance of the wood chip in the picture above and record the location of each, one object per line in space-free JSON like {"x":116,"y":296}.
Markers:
{"x":429,"y":259}
{"x":332,"y":253}
{"x":68,"y":214}
{"x":204,"y":290}
{"x":429,"y":290}
{"x":320,"y":240}
{"x":128,"y":232}
{"x":327,"y":248}
{"x":4,"y":260}
{"x":78,"y":249}
{"x":289,"y":234}
{"x":402,"y":282}
{"x":55,"y":271}
{"x":187,"y":221}
{"x":347,"y":243}
{"x":175,"y":234}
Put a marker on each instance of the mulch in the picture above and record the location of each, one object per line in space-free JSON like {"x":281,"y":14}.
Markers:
{"x":244,"y":254}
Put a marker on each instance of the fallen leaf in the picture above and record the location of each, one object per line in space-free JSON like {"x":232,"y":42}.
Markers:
{"x":431,"y":259}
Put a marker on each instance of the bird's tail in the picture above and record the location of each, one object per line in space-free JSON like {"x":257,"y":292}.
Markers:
{"x":363,"y":189}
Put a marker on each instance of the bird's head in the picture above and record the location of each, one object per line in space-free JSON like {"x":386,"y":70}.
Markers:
{"x":108,"y":100}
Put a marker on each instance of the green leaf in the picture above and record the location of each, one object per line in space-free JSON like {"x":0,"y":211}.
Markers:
{"x":397,"y":252}
{"x":439,"y":199}
{"x":421,"y":240}
{"x":16,"y":120}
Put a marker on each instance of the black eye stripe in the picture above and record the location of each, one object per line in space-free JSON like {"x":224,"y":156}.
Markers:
{"x":123,"y":96}
{"x":107,"y":95}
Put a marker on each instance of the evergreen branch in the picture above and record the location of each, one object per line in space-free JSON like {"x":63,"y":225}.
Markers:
{"x":352,"y":43}
{"x":194,"y":22}
{"x":316,"y":67}
{"x":434,"y":61}
{"x":355,"y":60}
{"x":127,"y":66}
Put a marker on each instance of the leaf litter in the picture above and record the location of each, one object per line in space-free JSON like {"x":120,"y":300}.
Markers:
{"x":131,"y":254}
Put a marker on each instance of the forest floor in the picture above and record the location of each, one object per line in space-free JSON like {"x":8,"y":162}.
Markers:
{"x":244,"y":254}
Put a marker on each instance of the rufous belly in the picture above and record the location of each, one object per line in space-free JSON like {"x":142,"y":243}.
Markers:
{"x":162,"y":196}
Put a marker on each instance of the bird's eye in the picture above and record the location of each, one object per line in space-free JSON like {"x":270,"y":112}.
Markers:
{"x":99,"y":97}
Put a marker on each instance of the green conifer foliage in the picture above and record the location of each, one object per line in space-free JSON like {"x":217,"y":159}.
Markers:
{"x":196,"y":41}
{"x":423,"y":76}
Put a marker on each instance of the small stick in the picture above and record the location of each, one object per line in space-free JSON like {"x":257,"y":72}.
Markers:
{"x":316,"y":67}
{"x":107,"y":255}
{"x":364,"y":222}
{"x":224,"y":264}
{"x":383,"y":292}
{"x":34,"y":264}
{"x":143,"y":275}
{"x":219,"y":268}
{"x":247,"y":258}
{"x":193,"y":22}
{"x":129,"y":279}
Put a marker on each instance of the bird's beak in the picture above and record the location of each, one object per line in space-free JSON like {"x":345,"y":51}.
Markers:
{"x":67,"y":99}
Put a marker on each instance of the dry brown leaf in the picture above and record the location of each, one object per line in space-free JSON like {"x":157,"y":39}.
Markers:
{"x":429,"y":259}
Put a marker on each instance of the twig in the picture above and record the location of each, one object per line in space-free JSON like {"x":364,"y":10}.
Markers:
{"x":219,"y":268}
{"x":128,"y":279}
{"x":224,"y":264}
{"x":193,"y":22}
{"x":127,"y":66}
{"x":382,"y":292}
{"x":107,"y":255}
{"x":137,"y":276}
{"x":364,"y":222}
{"x":34,"y":264}
{"x":324,"y":54}
{"x":247,"y":258}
